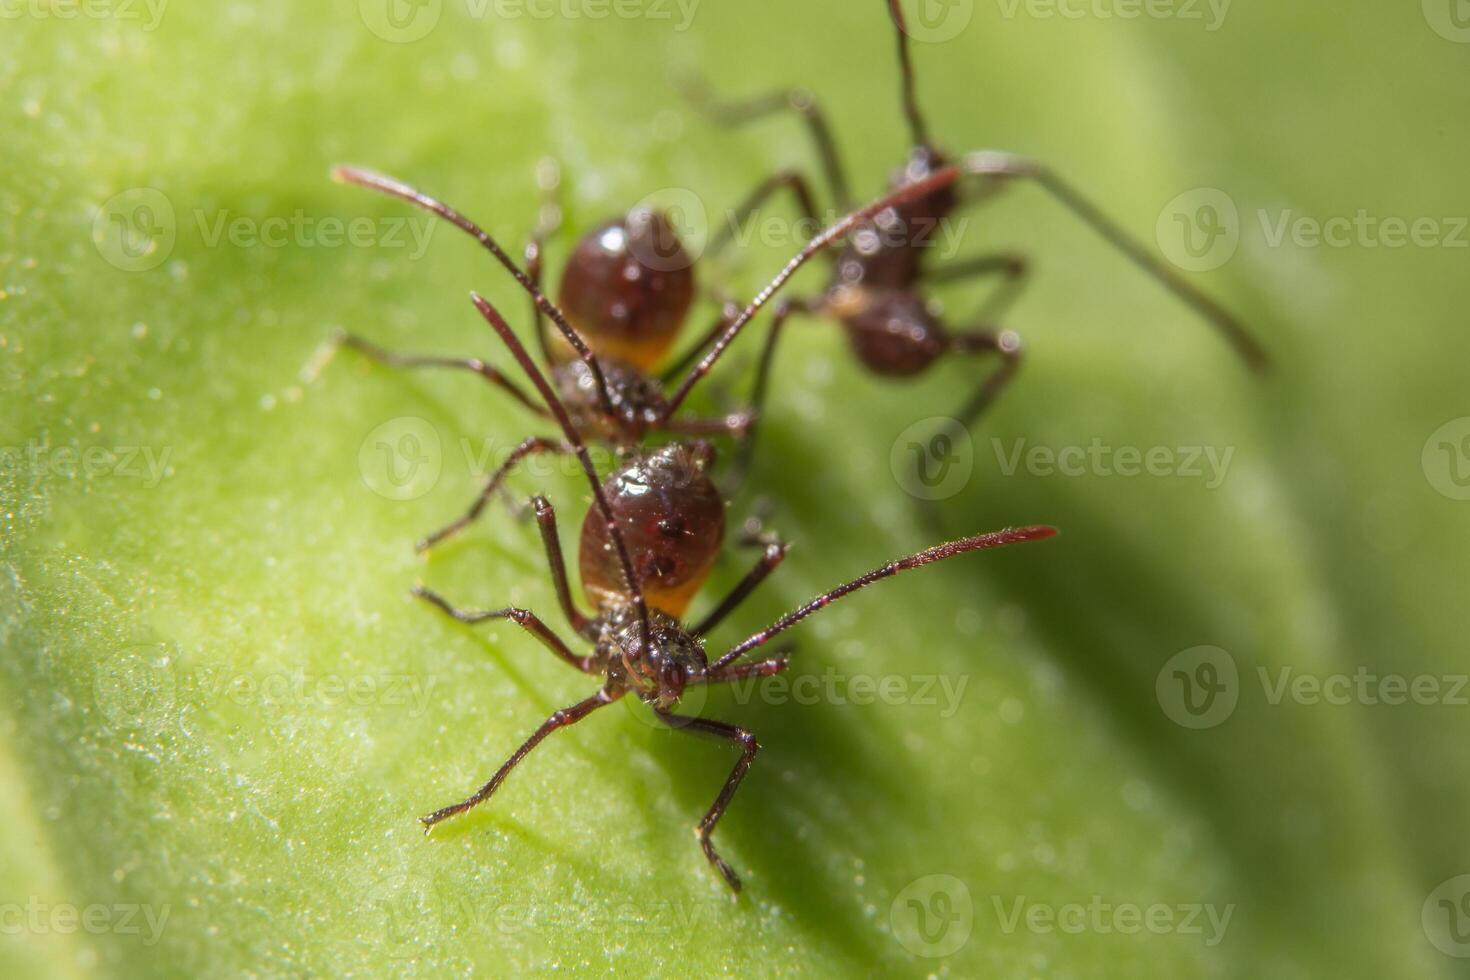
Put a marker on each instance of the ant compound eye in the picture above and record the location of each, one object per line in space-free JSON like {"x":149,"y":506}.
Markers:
{"x":672,"y":527}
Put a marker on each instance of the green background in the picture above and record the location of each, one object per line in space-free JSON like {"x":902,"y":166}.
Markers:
{"x":172,"y":739}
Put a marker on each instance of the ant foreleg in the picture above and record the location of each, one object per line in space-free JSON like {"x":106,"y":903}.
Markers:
{"x":748,"y":748}
{"x":746,"y":449}
{"x":531,"y":446}
{"x":523,"y":618}
{"x":775,"y":553}
{"x":1013,"y":268}
{"x":473,"y":364}
{"x":560,"y":719}
{"x":546,"y":518}
{"x":800,"y":101}
{"x":768,"y":188}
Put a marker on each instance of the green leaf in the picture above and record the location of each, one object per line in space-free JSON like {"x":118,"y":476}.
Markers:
{"x":223,"y":711}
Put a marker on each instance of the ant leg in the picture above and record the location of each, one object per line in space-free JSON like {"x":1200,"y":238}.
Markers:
{"x":548,"y":222}
{"x":994,"y":539}
{"x":775,"y":553}
{"x":800,"y":101}
{"x":560,"y":719}
{"x":1007,"y":344}
{"x":1011,"y":267}
{"x":746,"y":449}
{"x":990,"y":163}
{"x":525,"y":619}
{"x":748,"y":748}
{"x":474,"y":364}
{"x":755,"y":669}
{"x":729,"y":310}
{"x":546,"y":518}
{"x":532,"y":446}
{"x":768,"y":187}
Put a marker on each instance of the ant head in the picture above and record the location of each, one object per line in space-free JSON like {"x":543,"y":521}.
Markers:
{"x":672,"y":517}
{"x":628,"y":286}
{"x":660,"y":669}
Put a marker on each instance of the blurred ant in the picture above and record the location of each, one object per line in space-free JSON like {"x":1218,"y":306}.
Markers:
{"x":646,"y":547}
{"x":630,"y":306}
{"x":875,"y":287}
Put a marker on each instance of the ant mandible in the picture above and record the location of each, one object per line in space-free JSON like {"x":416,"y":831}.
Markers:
{"x":640,"y":644}
{"x":874,"y":289}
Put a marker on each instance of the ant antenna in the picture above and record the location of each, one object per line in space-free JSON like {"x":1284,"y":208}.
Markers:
{"x":917,"y":127}
{"x":398,"y":189}
{"x":518,"y":351}
{"x":994,"y":539}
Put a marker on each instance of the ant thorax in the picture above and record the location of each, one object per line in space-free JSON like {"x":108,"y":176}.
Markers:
{"x":656,"y":670}
{"x":672,"y":517}
{"x":638,"y":401}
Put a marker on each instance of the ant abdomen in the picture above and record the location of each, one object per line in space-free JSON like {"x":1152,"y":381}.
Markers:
{"x":894,"y":333}
{"x":672,"y":517}
{"x":628,"y":287}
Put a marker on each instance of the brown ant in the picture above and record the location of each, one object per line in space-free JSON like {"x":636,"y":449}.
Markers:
{"x":630,"y":307}
{"x":645,"y":548}
{"x":874,"y":290}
